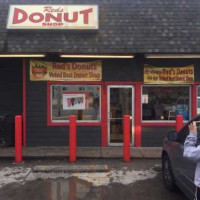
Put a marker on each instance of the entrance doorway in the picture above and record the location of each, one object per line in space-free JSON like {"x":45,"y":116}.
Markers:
{"x":120,"y":103}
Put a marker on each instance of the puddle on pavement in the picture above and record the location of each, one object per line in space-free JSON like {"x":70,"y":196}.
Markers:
{"x":50,"y":189}
{"x":77,"y":189}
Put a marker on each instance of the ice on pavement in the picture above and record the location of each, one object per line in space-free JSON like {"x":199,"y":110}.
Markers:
{"x":21,"y":175}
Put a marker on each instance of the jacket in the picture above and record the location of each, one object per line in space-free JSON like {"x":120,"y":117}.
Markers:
{"x":192,"y":152}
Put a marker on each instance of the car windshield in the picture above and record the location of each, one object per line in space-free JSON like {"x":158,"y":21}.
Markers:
{"x":197,"y":120}
{"x":185,"y":131}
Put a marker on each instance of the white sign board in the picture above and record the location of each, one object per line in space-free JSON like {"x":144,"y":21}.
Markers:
{"x":80,"y":17}
{"x":145,"y":98}
{"x":74,"y":102}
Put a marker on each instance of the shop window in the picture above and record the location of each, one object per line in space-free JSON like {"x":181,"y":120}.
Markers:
{"x":81,"y":100}
{"x":198,"y":100}
{"x":165,"y":102}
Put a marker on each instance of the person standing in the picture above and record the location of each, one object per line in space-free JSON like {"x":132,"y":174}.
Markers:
{"x":158,"y":109}
{"x":192,"y":152}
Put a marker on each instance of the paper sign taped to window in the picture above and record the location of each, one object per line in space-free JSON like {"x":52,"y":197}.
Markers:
{"x":145,"y":98}
{"x":74,"y":102}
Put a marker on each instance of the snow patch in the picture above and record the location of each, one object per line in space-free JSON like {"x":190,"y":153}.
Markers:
{"x":124,"y":176}
{"x":116,"y":176}
{"x":13,"y":175}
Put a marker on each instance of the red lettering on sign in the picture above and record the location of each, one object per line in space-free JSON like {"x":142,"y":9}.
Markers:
{"x":50,"y":9}
{"x":21,"y":16}
{"x":41,"y":17}
{"x":17,"y":12}
{"x":86,"y":15}
{"x":74,"y":19}
{"x":57,"y":18}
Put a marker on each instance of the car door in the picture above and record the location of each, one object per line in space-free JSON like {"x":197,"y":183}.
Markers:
{"x":184,"y":169}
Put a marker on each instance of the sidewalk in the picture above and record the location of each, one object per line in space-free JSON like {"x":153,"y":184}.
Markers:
{"x":82,"y":152}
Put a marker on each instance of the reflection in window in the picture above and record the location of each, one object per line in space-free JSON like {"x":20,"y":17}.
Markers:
{"x":198,"y":100}
{"x":80,"y":100}
{"x":164,"y":103}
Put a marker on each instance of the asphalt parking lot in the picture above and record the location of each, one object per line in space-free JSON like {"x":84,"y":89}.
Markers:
{"x":135,"y":180}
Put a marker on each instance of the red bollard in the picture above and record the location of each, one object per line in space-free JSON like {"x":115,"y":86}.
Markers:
{"x":18,"y":139}
{"x":126,"y":148}
{"x":72,"y":138}
{"x":179,"y":122}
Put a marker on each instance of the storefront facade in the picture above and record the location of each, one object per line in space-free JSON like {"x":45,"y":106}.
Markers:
{"x":117,"y":84}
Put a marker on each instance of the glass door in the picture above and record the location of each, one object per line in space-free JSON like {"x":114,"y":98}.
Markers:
{"x":120,"y":103}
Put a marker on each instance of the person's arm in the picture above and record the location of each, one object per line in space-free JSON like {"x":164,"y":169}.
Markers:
{"x":190,"y":150}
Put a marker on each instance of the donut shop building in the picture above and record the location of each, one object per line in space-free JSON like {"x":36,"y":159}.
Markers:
{"x":99,"y":61}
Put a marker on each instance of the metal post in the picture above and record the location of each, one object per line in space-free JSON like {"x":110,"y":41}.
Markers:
{"x":18,"y":139}
{"x":72,"y":138}
{"x":126,"y":127}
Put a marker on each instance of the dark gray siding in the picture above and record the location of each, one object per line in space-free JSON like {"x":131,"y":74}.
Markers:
{"x":153,"y":136}
{"x":10,"y":86}
{"x":39,"y":134}
{"x":10,"y":93}
{"x":113,"y":70}
{"x":89,"y":136}
{"x":122,"y":70}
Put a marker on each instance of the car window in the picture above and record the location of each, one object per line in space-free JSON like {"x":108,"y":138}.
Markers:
{"x":198,"y":132}
{"x":184,"y":133}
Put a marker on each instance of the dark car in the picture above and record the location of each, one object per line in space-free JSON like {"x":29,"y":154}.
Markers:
{"x":177,"y":170}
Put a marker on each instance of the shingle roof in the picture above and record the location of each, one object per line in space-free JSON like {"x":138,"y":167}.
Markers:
{"x":126,"y":26}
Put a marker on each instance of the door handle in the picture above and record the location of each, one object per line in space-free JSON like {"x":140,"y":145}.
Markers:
{"x":110,"y":115}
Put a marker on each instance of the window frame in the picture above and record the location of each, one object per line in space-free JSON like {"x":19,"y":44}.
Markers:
{"x":197,"y":98}
{"x":165,"y":122}
{"x":51,"y":122}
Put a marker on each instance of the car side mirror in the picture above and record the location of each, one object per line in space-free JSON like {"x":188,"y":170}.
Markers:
{"x":172,"y":135}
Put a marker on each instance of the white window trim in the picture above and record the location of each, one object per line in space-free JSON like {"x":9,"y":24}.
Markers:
{"x":164,"y":121}
{"x":79,"y":121}
{"x":197,"y":99}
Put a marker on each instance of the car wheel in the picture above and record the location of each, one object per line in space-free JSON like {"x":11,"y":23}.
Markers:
{"x":168,"y":176}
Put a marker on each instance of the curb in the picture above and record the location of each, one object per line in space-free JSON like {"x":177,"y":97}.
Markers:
{"x":82,"y":152}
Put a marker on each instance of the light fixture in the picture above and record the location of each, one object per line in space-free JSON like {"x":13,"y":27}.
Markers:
{"x":96,"y":56}
{"x":172,"y":56}
{"x":22,"y":55}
